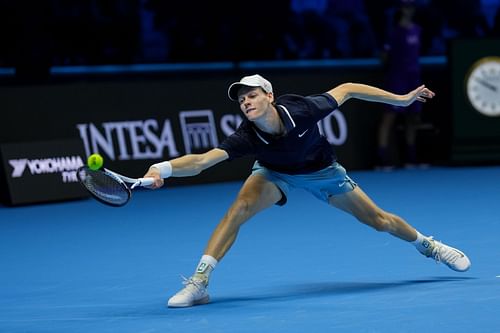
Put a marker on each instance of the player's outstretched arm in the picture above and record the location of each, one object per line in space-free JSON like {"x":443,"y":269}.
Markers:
{"x":185,"y":166}
{"x":346,"y":91}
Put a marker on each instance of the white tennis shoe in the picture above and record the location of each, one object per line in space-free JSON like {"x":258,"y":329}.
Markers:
{"x":451,"y":257}
{"x":193,"y":293}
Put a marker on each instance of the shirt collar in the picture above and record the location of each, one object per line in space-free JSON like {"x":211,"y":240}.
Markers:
{"x":287,"y":120}
{"x":286,"y":117}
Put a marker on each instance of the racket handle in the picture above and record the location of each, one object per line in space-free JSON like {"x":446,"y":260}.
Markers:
{"x":143,"y":182}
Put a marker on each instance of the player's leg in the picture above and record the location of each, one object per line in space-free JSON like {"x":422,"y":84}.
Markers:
{"x":257,"y":194}
{"x":358,"y":204}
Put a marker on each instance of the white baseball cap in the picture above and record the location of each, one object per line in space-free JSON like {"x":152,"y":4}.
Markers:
{"x":249,"y":81}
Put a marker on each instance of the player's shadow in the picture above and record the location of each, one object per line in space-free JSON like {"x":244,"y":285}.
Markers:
{"x":325,"y":289}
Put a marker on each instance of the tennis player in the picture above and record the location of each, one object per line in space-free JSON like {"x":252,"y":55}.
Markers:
{"x":283,"y":135}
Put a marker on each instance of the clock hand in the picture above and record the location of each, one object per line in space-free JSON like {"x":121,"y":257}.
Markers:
{"x":487,"y":84}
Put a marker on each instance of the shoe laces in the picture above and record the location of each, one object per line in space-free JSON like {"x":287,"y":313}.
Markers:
{"x":192,"y":285}
{"x":444,"y":253}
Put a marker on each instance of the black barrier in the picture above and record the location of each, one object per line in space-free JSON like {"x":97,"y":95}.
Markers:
{"x":136,"y":120}
{"x":133,"y":122}
{"x":42,"y":171}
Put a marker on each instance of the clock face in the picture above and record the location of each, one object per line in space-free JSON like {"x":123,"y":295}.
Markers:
{"x":483,"y":86}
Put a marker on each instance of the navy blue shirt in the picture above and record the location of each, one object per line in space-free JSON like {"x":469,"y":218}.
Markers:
{"x":302,"y":149}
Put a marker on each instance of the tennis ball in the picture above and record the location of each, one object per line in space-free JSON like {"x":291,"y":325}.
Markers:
{"x":95,"y":161}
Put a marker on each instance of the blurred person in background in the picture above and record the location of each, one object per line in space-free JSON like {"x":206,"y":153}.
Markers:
{"x":465,"y":19}
{"x":495,"y":29}
{"x":351,"y":30}
{"x":306,"y":35}
{"x":402,"y":70}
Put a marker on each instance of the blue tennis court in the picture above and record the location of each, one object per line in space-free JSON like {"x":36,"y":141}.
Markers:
{"x":84,"y":267}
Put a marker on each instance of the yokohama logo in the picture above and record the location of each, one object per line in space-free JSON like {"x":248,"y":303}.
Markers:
{"x":45,"y":165}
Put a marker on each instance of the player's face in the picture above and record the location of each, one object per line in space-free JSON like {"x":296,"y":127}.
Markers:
{"x":254,"y":102}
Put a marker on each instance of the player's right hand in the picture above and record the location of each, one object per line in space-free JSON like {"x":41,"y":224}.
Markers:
{"x":155,"y":174}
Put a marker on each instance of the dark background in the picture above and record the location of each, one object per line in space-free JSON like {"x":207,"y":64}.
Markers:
{"x":38,"y":34}
{"x":64,"y":63}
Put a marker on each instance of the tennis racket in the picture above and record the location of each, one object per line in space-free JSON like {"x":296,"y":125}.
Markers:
{"x":110,"y":187}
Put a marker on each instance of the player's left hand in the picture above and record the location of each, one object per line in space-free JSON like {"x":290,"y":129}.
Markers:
{"x":420,"y":94}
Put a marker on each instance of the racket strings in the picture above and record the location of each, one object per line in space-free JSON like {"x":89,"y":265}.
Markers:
{"x":105,"y":187}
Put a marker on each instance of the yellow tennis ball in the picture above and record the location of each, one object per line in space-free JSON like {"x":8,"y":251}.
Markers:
{"x":95,"y":161}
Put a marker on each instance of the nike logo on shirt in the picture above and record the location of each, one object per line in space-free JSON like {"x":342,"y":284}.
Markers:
{"x":302,"y":134}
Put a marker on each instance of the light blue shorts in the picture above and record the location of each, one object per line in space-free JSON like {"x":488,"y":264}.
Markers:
{"x":322,"y":184}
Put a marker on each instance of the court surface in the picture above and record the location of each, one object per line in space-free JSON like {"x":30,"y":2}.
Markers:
{"x":84,"y":267}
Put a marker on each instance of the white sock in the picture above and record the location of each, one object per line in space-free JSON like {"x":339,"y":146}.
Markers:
{"x":421,"y":243}
{"x":205,"y":266}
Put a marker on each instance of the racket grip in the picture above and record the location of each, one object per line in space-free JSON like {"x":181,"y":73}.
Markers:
{"x":143,"y":182}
